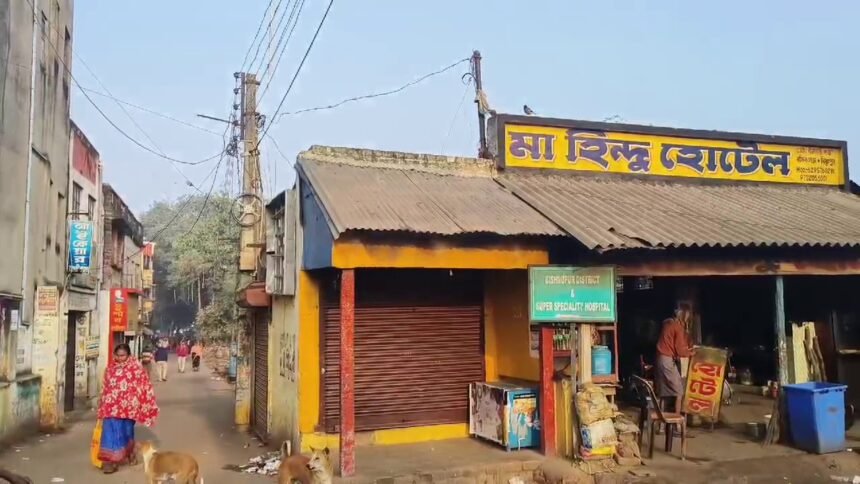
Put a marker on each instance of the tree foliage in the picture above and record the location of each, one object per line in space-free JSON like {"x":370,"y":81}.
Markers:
{"x":196,"y":260}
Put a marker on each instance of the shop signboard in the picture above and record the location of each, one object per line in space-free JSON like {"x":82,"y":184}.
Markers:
{"x":566,"y":294}
{"x":46,"y":338}
{"x":531,"y":142}
{"x":92,"y":348}
{"x":80,"y":245}
{"x":118,"y":310}
{"x":705,"y":377}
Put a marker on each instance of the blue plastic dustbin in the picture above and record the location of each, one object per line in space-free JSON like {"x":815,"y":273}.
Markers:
{"x":816,"y":415}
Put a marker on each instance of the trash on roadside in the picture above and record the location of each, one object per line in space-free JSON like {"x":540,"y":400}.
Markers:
{"x":265,"y":465}
{"x":854,"y":480}
{"x":57,"y":479}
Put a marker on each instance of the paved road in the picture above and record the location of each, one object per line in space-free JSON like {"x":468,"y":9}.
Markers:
{"x":196,"y":417}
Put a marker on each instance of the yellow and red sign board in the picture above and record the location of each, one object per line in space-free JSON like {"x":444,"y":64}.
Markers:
{"x":705,"y":377}
{"x":118,"y":309}
{"x":602,"y":148}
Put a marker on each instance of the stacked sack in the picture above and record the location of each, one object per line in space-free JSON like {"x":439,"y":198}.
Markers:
{"x":595,"y":414}
{"x":627,"y":453}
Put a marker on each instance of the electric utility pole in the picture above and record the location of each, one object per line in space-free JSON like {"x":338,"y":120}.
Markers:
{"x":480,"y":101}
{"x":250,"y":207}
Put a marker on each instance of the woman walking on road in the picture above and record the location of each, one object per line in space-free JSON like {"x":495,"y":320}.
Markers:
{"x":182,"y":355}
{"x":127,"y":399}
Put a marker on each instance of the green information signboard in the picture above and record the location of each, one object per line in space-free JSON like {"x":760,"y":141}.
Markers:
{"x":564,"y":294}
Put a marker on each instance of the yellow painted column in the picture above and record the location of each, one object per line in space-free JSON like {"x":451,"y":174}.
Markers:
{"x":309,"y":352}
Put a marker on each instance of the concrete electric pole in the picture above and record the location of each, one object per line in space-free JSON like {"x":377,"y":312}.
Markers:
{"x":249,"y":206}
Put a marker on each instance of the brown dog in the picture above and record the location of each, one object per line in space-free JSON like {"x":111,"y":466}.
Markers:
{"x":160,"y":466}
{"x":316,"y":469}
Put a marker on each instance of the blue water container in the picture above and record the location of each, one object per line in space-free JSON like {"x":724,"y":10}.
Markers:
{"x":601,"y":361}
{"x":231,"y":370}
{"x":816,"y":415}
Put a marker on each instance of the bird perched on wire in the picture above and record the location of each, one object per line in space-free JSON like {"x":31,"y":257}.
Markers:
{"x":528,"y":110}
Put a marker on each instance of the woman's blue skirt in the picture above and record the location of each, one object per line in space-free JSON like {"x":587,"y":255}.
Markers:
{"x":117,"y":443}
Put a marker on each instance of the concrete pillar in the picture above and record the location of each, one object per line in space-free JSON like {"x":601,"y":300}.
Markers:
{"x":347,"y":373}
{"x":243,"y":374}
{"x":779,"y":329}
{"x":547,"y":392}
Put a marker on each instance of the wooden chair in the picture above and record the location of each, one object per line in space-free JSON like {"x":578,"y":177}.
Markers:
{"x":650,"y":413}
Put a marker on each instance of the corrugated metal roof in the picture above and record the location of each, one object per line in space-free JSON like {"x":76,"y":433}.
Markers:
{"x":400,"y":198}
{"x":607,"y":213}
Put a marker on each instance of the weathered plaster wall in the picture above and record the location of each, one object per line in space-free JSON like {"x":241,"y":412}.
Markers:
{"x":19,"y":408}
{"x":37,"y":171}
{"x":283,"y":371}
{"x":284,"y":347}
{"x":16,"y":63}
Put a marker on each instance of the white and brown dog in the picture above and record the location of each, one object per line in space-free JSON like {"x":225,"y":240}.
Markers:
{"x":160,"y":466}
{"x":316,"y":469}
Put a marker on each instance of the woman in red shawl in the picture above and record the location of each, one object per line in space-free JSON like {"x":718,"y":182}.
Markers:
{"x":127,"y":398}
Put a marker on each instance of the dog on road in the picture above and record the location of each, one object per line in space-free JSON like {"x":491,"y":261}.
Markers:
{"x":160,"y":466}
{"x":316,"y":469}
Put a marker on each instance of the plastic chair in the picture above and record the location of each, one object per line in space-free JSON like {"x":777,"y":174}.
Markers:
{"x":651,"y":413}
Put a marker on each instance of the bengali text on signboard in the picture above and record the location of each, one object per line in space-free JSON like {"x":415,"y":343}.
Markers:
{"x":705,"y":378}
{"x":118,"y":310}
{"x":80,"y":245}
{"x":549,"y":147}
{"x":560,"y":294}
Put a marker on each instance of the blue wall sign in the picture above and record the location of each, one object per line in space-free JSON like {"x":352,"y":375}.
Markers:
{"x":80,"y":245}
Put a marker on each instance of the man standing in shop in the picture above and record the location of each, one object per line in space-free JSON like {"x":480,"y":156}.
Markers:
{"x":672,"y":345}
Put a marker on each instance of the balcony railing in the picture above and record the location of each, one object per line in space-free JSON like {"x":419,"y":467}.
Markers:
{"x":116,"y":210}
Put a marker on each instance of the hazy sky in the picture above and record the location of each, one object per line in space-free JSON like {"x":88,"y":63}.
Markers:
{"x":730,"y":65}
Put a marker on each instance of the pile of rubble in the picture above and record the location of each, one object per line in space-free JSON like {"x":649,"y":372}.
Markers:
{"x":217,"y":357}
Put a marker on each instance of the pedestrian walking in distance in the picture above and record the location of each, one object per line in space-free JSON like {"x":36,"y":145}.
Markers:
{"x":147,"y":359}
{"x":161,"y":354}
{"x":127,"y":399}
{"x":182,"y":355}
{"x":196,"y":355}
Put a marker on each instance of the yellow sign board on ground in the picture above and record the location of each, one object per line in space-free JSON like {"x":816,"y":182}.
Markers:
{"x":651,"y":152}
{"x":705,"y":378}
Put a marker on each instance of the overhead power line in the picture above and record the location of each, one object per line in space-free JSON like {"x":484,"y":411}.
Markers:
{"x":257,"y":35}
{"x":297,"y":12}
{"x":151,"y":111}
{"x":178,"y":212}
{"x":298,"y":71}
{"x":378,"y":94}
{"x":262,"y":39}
{"x":135,"y":123}
{"x":456,"y":113}
{"x":107,"y":118}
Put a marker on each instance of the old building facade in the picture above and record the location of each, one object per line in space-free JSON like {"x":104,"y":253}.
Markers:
{"x":84,"y":277}
{"x":35,"y":38}
{"x":122,"y":276}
